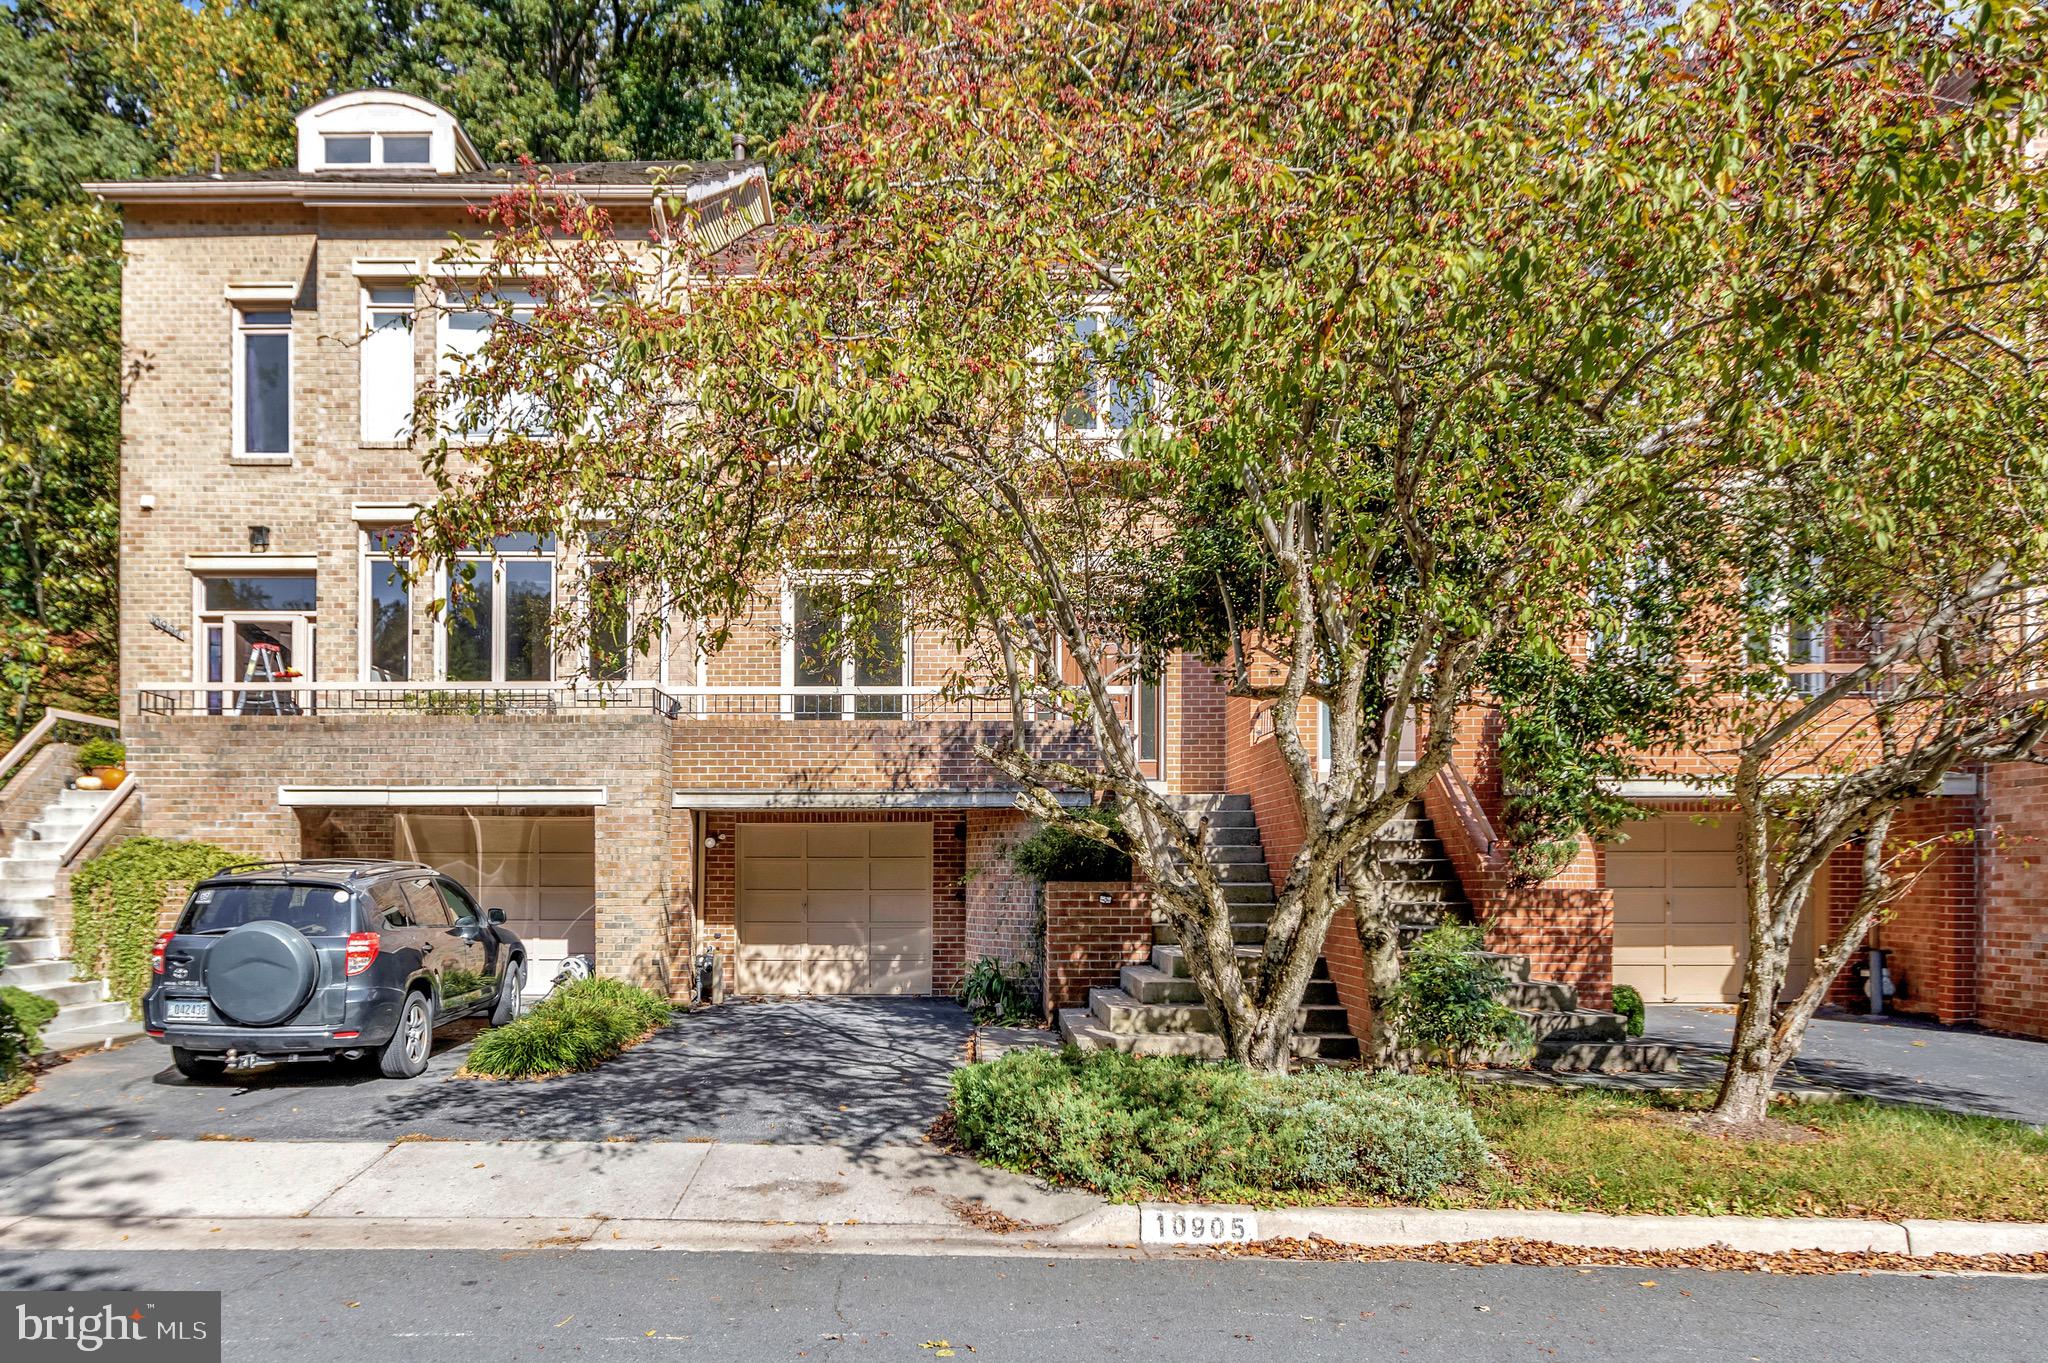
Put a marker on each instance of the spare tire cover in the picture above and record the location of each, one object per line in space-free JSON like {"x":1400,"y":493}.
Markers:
{"x":261,"y":973}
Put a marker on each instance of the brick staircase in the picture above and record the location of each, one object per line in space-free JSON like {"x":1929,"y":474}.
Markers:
{"x":34,"y":956}
{"x":1157,"y":1010}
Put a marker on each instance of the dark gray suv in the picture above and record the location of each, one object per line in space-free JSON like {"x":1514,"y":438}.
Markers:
{"x":320,"y":960}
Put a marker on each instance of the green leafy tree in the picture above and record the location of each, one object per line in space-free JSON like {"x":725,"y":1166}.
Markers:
{"x":1424,"y":316}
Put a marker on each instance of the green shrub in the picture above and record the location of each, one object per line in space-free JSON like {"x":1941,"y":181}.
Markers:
{"x":22,"y":1016}
{"x":1629,"y":1004}
{"x":95,"y":753}
{"x":1056,"y":852}
{"x":1447,"y":1004}
{"x":115,"y":900}
{"x":578,"y":1027}
{"x":995,"y":995}
{"x":1130,"y":1126}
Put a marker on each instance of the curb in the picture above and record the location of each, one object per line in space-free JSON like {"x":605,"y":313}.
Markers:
{"x":1411,"y":1227}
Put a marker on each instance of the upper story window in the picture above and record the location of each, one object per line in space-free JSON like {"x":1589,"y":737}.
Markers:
{"x":1103,"y":405}
{"x":466,"y":328}
{"x":501,"y":604}
{"x":263,"y":380}
{"x":367,"y":129}
{"x":841,"y":662}
{"x":386,"y":364}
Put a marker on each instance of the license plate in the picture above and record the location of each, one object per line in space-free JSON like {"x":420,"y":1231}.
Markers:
{"x":185,"y":1010}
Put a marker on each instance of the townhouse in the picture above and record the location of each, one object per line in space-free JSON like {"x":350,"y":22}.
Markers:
{"x":814,"y":823}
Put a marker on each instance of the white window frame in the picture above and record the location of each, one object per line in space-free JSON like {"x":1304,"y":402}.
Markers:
{"x":370,"y":560}
{"x":460,"y":297}
{"x":366,"y":286}
{"x":849,"y":689}
{"x":305,"y":635}
{"x":1103,"y":308}
{"x":1807,"y":684}
{"x":496,"y":560}
{"x":376,"y":141}
{"x":239,"y":383}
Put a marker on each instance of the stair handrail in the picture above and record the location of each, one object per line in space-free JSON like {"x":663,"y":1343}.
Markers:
{"x":98,"y":821}
{"x":31,"y":740}
{"x":1471,"y":813}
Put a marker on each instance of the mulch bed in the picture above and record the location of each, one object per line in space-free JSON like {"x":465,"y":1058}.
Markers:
{"x":1711,"y":1259}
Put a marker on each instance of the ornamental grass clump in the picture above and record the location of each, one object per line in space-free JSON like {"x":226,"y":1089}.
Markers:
{"x":1129,"y":1126}
{"x":577,"y":1027}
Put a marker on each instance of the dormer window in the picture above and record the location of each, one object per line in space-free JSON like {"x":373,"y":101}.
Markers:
{"x":378,"y":149}
{"x":368,"y":129}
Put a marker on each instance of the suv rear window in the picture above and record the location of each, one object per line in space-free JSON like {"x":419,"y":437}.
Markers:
{"x":316,"y":910}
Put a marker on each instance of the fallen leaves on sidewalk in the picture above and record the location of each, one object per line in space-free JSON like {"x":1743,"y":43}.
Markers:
{"x":987,"y":1217}
{"x":1711,"y":1258}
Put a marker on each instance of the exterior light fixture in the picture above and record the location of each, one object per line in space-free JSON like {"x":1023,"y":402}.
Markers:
{"x":259,"y":539}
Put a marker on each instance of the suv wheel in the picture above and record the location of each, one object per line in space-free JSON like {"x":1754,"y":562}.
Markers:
{"x":193,"y":1067}
{"x":511,"y":990}
{"x":405,"y":1055}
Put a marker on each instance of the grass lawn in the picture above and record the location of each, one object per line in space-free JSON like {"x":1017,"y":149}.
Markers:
{"x":1609,"y":1152}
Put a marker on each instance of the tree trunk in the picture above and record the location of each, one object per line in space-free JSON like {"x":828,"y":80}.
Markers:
{"x":1754,"y":1057}
{"x":1379,"y":941}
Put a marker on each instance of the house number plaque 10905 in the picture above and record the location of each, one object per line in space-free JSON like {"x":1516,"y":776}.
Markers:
{"x":1196,"y":1226}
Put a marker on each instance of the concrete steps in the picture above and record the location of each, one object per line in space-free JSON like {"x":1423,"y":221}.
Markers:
{"x":1079,"y":1026}
{"x":35,"y":961}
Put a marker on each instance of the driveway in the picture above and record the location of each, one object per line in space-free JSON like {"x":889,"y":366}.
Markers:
{"x":847,"y":1072}
{"x":1895,"y":1058}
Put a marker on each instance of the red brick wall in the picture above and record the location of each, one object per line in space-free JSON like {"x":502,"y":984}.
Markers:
{"x":1932,"y":933}
{"x":949,"y":869}
{"x":1087,"y":942}
{"x":2012,"y":988}
{"x":1002,"y":905}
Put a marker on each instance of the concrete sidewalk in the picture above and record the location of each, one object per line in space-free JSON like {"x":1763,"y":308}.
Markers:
{"x":86,"y":1194}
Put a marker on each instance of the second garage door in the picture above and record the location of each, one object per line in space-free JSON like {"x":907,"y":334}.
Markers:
{"x":1679,"y":934}
{"x":836,"y":908}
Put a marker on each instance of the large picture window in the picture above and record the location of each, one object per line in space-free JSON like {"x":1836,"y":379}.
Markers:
{"x":263,"y":381}
{"x":254,"y":628}
{"x":500,"y":607}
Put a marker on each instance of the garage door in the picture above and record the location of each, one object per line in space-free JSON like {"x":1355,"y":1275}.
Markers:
{"x":835,"y":908}
{"x":539,"y":868}
{"x":1678,"y":922}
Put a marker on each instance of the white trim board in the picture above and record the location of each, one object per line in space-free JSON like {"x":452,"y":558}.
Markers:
{"x":252,"y":563}
{"x":1719,"y":788}
{"x":462,"y":797}
{"x":854,"y":799}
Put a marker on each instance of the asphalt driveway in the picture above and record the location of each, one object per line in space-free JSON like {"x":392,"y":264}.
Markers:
{"x":848,"y":1072}
{"x":1901,"y":1059}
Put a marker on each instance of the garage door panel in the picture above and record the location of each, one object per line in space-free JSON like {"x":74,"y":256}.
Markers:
{"x":1691,"y":984}
{"x":1721,"y":905}
{"x":1627,"y":871}
{"x":763,"y":933}
{"x":772,"y":906}
{"x":900,"y":840}
{"x":900,"y":873}
{"x":836,"y":840}
{"x":771,"y":840}
{"x":827,"y":934}
{"x":1639,"y":907}
{"x":567,"y":868}
{"x":1702,"y":868}
{"x":838,"y":875}
{"x":771,"y":873}
{"x":902,"y":906}
{"x":1687,"y":835}
{"x":889,"y":974}
{"x":1639,"y":937}
{"x":1647,"y":980}
{"x":1645,"y":835}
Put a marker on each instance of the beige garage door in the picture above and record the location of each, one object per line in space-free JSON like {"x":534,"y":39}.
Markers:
{"x":1678,"y":931}
{"x":835,"y":908}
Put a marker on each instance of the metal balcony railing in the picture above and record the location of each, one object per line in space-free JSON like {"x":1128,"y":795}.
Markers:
{"x":797,"y":704}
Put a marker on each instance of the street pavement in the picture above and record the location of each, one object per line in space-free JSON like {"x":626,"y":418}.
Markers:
{"x":396,"y":1306}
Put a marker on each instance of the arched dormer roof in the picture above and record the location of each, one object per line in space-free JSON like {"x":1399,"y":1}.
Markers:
{"x":383,"y":130}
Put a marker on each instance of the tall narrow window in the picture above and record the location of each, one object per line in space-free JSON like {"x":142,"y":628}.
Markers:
{"x":611,"y":627}
{"x":387,"y":605}
{"x":387,"y":364}
{"x":263,"y":380}
{"x":1103,"y":405}
{"x":465,"y":331}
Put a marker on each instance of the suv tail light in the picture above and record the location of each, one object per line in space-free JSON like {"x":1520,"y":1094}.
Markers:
{"x":362,"y":949}
{"x":156,"y":953}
